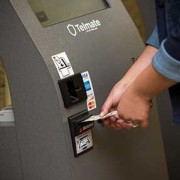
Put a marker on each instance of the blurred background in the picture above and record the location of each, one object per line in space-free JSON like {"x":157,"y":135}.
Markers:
{"x":5,"y":98}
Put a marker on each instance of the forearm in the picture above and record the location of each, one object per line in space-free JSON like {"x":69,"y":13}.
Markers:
{"x":135,"y":103}
{"x":142,"y":62}
{"x":149,"y":83}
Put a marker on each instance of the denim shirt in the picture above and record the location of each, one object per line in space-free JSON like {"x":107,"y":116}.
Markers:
{"x":166,"y":37}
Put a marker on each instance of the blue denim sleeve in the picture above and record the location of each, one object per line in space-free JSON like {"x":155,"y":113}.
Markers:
{"x":166,"y":64}
{"x":153,"y":40}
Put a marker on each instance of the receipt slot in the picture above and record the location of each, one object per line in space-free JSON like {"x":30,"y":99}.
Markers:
{"x":81,"y":133}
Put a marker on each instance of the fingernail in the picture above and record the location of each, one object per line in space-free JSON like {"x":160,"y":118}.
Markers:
{"x":102,"y":113}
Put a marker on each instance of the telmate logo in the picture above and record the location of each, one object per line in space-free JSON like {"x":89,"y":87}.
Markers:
{"x":83,"y":27}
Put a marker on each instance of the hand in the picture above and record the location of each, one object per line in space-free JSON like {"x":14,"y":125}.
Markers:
{"x":134,"y":108}
{"x":135,"y":103}
{"x":114,"y":98}
{"x":111,"y":104}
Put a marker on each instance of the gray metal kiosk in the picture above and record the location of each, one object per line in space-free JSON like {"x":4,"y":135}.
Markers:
{"x":60,"y":70}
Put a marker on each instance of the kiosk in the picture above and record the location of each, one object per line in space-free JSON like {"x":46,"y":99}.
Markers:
{"x":61,"y":59}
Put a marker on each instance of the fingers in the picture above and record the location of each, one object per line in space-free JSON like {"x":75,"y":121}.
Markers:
{"x":117,"y":123}
{"x":110,"y":124}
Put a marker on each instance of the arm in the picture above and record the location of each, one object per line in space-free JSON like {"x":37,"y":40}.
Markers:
{"x":145,"y":58}
{"x":142,"y":62}
{"x":135,"y":103}
{"x":161,"y":74}
{"x":113,"y":98}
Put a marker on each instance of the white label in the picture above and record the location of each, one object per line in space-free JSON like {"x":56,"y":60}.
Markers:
{"x":7,"y":115}
{"x":91,"y":100}
{"x":83,"y":142}
{"x":63,"y":65}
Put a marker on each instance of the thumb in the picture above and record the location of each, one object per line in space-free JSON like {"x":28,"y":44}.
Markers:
{"x":106,"y":107}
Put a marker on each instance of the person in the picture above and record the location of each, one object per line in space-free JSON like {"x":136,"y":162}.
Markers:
{"x":156,"y":69}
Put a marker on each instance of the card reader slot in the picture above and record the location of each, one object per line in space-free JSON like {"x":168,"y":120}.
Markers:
{"x":72,"y":90}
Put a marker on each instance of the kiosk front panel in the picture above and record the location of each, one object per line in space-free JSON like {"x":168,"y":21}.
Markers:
{"x":95,"y":47}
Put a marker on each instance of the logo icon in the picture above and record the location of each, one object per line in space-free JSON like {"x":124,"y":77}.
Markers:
{"x":83,"y":27}
{"x":72,"y":30}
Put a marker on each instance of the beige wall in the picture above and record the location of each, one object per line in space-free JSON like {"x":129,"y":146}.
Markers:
{"x":134,"y":12}
{"x":2,"y":92}
{"x":5,"y":98}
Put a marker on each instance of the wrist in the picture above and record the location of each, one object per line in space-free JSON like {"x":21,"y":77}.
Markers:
{"x":140,"y":93}
{"x":125,"y":82}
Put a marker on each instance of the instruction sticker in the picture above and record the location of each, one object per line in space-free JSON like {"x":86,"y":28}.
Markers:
{"x":83,"y":142}
{"x":63,"y":65}
{"x":91,"y":100}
